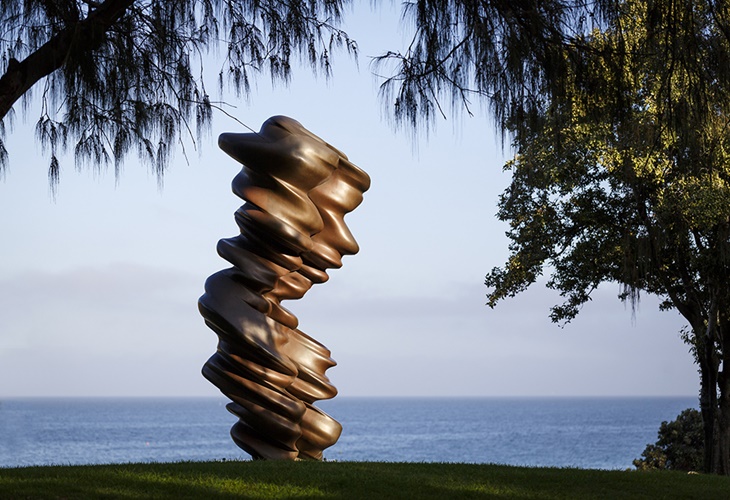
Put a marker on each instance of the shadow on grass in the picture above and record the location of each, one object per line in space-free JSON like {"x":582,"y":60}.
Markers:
{"x":347,"y":480}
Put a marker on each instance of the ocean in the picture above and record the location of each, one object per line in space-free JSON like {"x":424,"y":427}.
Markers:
{"x":596,"y":433}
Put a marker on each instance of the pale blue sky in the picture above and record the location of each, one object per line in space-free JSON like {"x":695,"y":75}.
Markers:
{"x":98,"y":288}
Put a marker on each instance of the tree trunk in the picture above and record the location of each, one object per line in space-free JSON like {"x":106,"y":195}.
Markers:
{"x":723,"y":379}
{"x":20,"y":76}
{"x":723,"y":430}
{"x":707,"y":336}
{"x":708,"y":407}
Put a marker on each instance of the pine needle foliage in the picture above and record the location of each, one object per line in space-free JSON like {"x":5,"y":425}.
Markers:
{"x":511,"y":55}
{"x":116,"y":76}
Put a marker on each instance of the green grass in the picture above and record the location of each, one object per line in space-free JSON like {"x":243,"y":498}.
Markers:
{"x":349,"y":480}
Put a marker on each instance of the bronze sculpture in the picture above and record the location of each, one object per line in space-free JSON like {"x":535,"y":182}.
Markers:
{"x":297,"y":190}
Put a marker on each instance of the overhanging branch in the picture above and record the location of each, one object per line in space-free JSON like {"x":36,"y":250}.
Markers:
{"x":51,"y":56}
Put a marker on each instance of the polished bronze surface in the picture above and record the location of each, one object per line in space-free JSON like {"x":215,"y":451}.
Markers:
{"x":297,"y":190}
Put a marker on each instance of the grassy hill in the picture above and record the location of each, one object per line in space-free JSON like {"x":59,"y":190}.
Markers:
{"x":349,"y":480}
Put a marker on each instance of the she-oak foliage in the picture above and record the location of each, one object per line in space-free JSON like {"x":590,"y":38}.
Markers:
{"x":121,"y":75}
{"x":619,"y":112}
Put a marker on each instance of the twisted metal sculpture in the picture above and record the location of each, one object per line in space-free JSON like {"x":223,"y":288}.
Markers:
{"x":297,"y":190}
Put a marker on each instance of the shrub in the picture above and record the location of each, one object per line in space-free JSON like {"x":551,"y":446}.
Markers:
{"x":680,"y":445}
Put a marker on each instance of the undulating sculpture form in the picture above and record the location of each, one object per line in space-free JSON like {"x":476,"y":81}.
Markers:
{"x":297,"y":190}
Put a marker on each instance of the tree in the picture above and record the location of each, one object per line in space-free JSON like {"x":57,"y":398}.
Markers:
{"x":618,"y":112}
{"x":121,"y":75}
{"x":627,"y":180}
{"x":679,"y":445}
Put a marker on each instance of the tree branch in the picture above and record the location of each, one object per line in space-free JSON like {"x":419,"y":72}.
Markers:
{"x":51,"y":56}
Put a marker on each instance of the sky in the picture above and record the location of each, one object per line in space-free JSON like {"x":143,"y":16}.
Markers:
{"x":99,"y":285}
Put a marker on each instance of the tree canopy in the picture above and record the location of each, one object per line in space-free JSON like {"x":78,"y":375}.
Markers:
{"x":121,"y":75}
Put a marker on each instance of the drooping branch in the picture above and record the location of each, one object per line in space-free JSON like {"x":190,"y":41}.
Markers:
{"x":51,"y":56}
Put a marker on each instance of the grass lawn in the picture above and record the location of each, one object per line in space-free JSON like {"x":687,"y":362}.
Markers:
{"x":348,"y":480}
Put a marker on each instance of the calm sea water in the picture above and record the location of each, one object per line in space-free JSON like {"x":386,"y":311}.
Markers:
{"x":605,"y":433}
